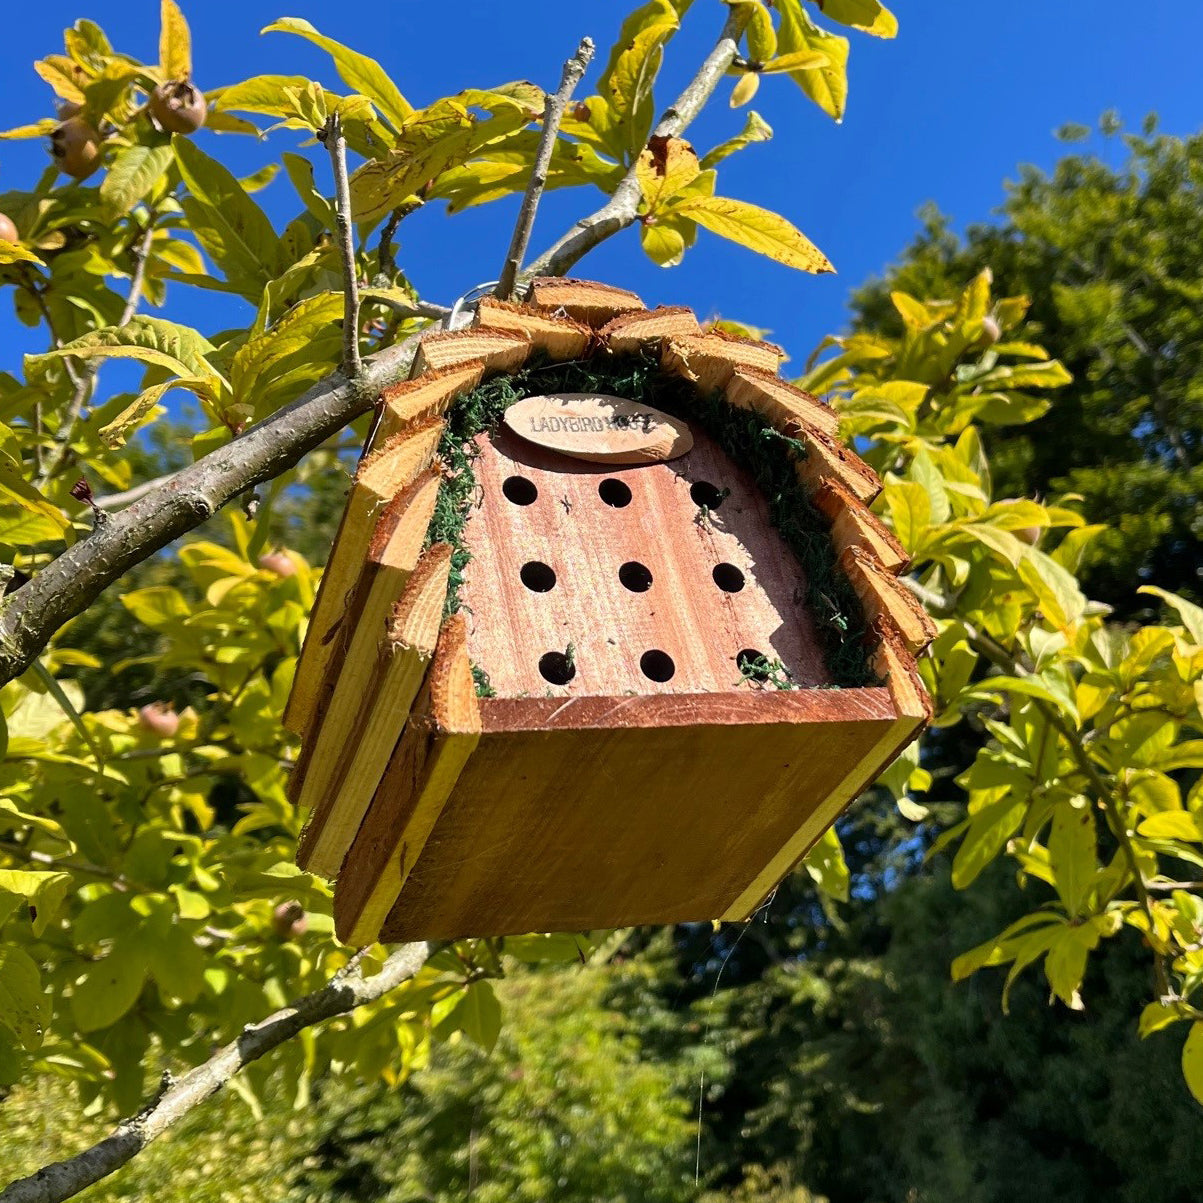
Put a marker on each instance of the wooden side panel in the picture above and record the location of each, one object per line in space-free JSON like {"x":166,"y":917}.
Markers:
{"x":785,"y":406}
{"x":380,"y":477}
{"x":414,"y":403}
{"x":630,"y":331}
{"x":607,"y":812}
{"x":559,"y":337}
{"x":442,"y":732}
{"x":454,"y":348}
{"x":584,"y":300}
{"x":372,"y":699}
{"x":853,"y":524}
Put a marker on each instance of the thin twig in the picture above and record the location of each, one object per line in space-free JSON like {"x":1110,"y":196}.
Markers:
{"x":336,"y":144}
{"x":621,"y":209}
{"x":553,"y":114}
{"x":347,"y":990}
{"x":85,"y":381}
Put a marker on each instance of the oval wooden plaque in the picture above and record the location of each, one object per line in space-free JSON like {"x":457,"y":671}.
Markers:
{"x":598,"y":428}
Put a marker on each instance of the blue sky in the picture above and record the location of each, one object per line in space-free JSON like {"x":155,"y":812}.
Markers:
{"x":946,"y":112}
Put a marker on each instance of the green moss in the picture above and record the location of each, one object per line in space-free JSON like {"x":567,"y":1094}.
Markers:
{"x":746,"y":437}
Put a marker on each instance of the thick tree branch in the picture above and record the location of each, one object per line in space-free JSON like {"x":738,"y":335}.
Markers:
{"x":70,"y":583}
{"x":344,"y":992}
{"x":621,"y":209}
{"x":553,"y":114}
{"x":336,"y":144}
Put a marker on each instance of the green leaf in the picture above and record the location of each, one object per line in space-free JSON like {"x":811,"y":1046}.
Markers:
{"x":357,"y":71}
{"x":1190,"y":614}
{"x":42,"y":891}
{"x":114,"y":433}
{"x":14,"y":252}
{"x":989,"y":830}
{"x":756,"y":228}
{"x":175,"y":43}
{"x":827,"y":86}
{"x":664,"y":169}
{"x":755,"y":129}
{"x":1171,"y":825}
{"x":1071,"y":850}
{"x":1065,"y":964}
{"x":662,"y":242}
{"x":150,"y":340}
{"x":39,"y":519}
{"x":110,"y":987}
{"x":910,"y":511}
{"x":870,"y":16}
{"x":24,"y":1008}
{"x":134,"y":172}
{"x":1159,"y":1015}
{"x":1057,"y":591}
{"x":479,"y":1015}
{"x":300,"y":172}
{"x":827,"y":868}
{"x":227,"y":223}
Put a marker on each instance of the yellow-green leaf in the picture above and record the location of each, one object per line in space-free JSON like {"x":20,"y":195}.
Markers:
{"x":827,"y":85}
{"x":755,"y":129}
{"x":1192,"y":1060}
{"x":1071,"y":850}
{"x":1170,"y":825}
{"x":869,"y":16}
{"x":14,"y":252}
{"x":114,"y":433}
{"x":359,"y":72}
{"x":745,"y":89}
{"x":826,"y":866}
{"x":662,"y":242}
{"x":758,"y":229}
{"x":663,"y":169}
{"x":24,"y":1008}
{"x":134,"y":172}
{"x":175,"y":42}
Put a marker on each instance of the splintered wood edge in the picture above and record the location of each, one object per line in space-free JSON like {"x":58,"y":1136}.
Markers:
{"x":412,"y":403}
{"x":885,"y":597}
{"x":380,"y":477}
{"x":712,"y":358}
{"x":827,"y":459}
{"x":386,"y":695}
{"x":895,"y":665}
{"x":394,"y":554}
{"x":500,"y":351}
{"x":853,"y":524}
{"x":559,"y":337}
{"x":633,"y":330}
{"x":441,"y":735}
{"x":785,"y":406}
{"x":584,"y":300}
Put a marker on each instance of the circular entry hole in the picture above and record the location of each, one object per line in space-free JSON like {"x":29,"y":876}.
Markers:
{"x":753,"y":665}
{"x":657,"y":665}
{"x":635,"y":576}
{"x":519,"y":490}
{"x":614,"y":493}
{"x":537,"y":576}
{"x":728,"y":578}
{"x":557,"y":668}
{"x":706,"y":495}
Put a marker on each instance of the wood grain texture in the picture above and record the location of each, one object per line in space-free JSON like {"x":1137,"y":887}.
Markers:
{"x":383,"y":474}
{"x":584,"y":300}
{"x":371,"y":702}
{"x":785,"y":407}
{"x":413,"y":403}
{"x":631,"y":331}
{"x":826,"y":459}
{"x":632,"y":820}
{"x":711,"y":359}
{"x":558,"y":337}
{"x":570,"y":530}
{"x":500,"y":352}
{"x":884,"y":597}
{"x":894,"y":664}
{"x":442,"y":732}
{"x":599,"y":429}
{"x":853,"y":524}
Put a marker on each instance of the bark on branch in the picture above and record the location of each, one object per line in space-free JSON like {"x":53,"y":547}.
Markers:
{"x":622,"y":208}
{"x":553,"y":114}
{"x":344,"y":992}
{"x":70,"y":583}
{"x":336,"y":144}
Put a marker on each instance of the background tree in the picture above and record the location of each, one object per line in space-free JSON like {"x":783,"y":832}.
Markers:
{"x":1105,"y":255}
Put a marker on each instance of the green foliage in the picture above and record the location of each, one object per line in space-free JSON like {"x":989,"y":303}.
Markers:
{"x":1102,"y":249}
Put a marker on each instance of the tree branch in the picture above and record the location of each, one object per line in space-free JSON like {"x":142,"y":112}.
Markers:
{"x":71,"y":582}
{"x":344,"y":992}
{"x":553,"y":114}
{"x":621,"y":209}
{"x":85,"y":380}
{"x":336,"y":144}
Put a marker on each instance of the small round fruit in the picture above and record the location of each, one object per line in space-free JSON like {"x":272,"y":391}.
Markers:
{"x":75,"y":146}
{"x":279,"y":562}
{"x":1026,"y":534}
{"x":289,"y":920}
{"x":178,"y":107}
{"x":159,"y":718}
{"x":8,"y":231}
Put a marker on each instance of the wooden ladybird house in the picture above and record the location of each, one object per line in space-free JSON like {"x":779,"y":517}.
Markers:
{"x":584,"y":662}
